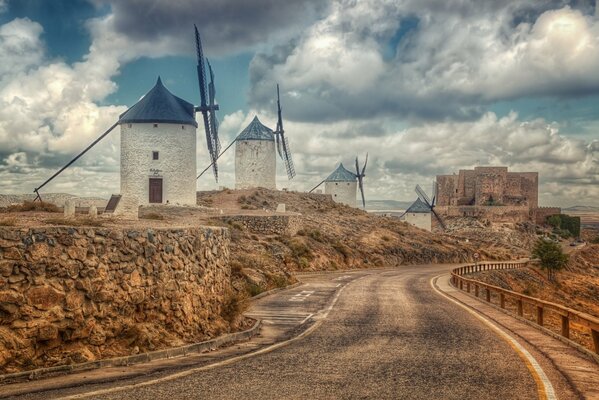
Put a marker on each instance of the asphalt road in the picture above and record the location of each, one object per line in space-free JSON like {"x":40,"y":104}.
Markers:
{"x":388,"y":336}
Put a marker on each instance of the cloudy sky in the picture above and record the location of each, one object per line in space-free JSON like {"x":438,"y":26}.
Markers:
{"x":425,"y":87}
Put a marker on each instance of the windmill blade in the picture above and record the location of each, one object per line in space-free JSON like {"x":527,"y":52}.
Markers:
{"x":212,"y":111}
{"x":357,"y":168}
{"x":423,"y":196}
{"x":287,"y":157}
{"x":360,"y":184}
{"x":282,"y":143}
{"x":364,"y":167}
{"x":438,"y":219}
{"x":212,"y":141}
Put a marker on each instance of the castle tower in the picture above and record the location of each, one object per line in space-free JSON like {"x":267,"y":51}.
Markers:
{"x":158,"y":149}
{"x":342,"y":186}
{"x":255,"y":162}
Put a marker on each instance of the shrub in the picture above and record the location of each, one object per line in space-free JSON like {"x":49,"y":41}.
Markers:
{"x":565,"y":224}
{"x":299,"y":250}
{"x":8,"y":222}
{"x":33,"y":206}
{"x":75,"y":221}
{"x":551,"y":257}
{"x":253,"y":289}
{"x":234,"y":304}
{"x":154,"y":216}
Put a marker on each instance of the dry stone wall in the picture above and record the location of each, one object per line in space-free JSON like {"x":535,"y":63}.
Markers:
{"x":71,"y":295}
{"x":268,"y":224}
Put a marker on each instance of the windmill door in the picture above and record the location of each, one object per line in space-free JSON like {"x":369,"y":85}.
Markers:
{"x":155,"y":190}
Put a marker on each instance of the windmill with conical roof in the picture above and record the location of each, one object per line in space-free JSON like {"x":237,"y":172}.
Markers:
{"x":158,"y":143}
{"x":256,"y":148}
{"x":343,"y":184}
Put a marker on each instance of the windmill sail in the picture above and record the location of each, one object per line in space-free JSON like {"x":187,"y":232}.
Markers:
{"x":282,"y":143}
{"x":424,"y":197}
{"x":207,"y":106}
{"x":360,"y":175}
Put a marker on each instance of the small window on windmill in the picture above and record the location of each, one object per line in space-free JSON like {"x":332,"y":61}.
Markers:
{"x":183,"y":127}
{"x":154,"y":155}
{"x":336,"y":184}
{"x":129,"y":125}
{"x":155,"y":125}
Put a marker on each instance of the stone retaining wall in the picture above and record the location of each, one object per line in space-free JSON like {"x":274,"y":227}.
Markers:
{"x":287,"y":224}
{"x":492,"y":213}
{"x":70,"y":295}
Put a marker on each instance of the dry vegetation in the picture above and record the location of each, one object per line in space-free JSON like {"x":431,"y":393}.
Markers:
{"x":333,"y":237}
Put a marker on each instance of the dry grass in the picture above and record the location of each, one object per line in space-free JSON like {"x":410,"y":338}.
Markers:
{"x":8,"y":221}
{"x":153,"y":216}
{"x":234,"y":304}
{"x":75,"y":221}
{"x":33,"y":206}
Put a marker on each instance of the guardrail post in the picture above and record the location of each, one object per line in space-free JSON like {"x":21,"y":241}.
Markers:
{"x":461,"y":284}
{"x":468,"y":287}
{"x":595,"y":335}
{"x":565,"y":326}
{"x":502,"y":300}
{"x":475,"y":290}
{"x":488,"y":295}
{"x":520,"y":310}
{"x":540,"y":315}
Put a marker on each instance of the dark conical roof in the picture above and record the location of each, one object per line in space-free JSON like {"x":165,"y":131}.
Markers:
{"x":256,"y":131}
{"x":341,"y":175}
{"x":418,"y":207}
{"x":160,"y":105}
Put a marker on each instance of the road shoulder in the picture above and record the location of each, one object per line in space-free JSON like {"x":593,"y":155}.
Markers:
{"x":570,"y":371}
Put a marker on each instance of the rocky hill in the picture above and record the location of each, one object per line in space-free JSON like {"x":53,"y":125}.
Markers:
{"x":54,"y":198}
{"x":335,"y":236}
{"x":577,"y":286}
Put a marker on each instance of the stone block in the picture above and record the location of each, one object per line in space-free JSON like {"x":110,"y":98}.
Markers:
{"x":281,"y":207}
{"x":69,"y":208}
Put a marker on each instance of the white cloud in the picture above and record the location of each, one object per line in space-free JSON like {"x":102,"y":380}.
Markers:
{"x":3,"y":6}
{"x":453,"y":61}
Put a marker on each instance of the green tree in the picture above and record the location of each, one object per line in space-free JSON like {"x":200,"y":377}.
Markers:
{"x":551,"y":257}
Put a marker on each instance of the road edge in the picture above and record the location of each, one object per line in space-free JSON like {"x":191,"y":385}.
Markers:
{"x":544,"y":387}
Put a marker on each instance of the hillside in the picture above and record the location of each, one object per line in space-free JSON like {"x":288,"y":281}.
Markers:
{"x":577,"y":286}
{"x":335,"y":236}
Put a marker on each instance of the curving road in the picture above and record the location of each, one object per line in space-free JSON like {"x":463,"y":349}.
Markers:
{"x":388,"y":336}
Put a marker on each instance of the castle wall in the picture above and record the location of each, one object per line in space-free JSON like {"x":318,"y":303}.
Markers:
{"x":483,"y":184}
{"x":176,"y":164}
{"x":511,"y":214}
{"x":490,"y":184}
{"x":79,"y":294}
{"x":446,"y":189}
{"x":541,"y":214}
{"x":342,"y":192}
{"x":255,"y":164}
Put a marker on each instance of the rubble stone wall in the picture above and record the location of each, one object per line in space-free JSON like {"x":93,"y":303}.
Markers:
{"x":71,"y":295}
{"x":492,"y":213}
{"x":286,"y":225}
{"x":542,"y":213}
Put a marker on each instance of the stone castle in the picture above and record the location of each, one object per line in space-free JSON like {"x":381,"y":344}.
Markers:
{"x":492,"y":193}
{"x":488,"y":186}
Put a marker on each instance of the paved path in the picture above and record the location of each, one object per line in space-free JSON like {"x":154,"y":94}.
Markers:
{"x":378,"y":334}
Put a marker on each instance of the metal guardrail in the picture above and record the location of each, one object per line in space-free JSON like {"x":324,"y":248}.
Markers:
{"x":567,"y":315}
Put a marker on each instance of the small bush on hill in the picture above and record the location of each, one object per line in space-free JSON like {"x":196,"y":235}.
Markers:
{"x":33,"y":206}
{"x":551,"y":257}
{"x":565,"y":224}
{"x":8,"y":222}
{"x":154,"y":216}
{"x":234,"y":304}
